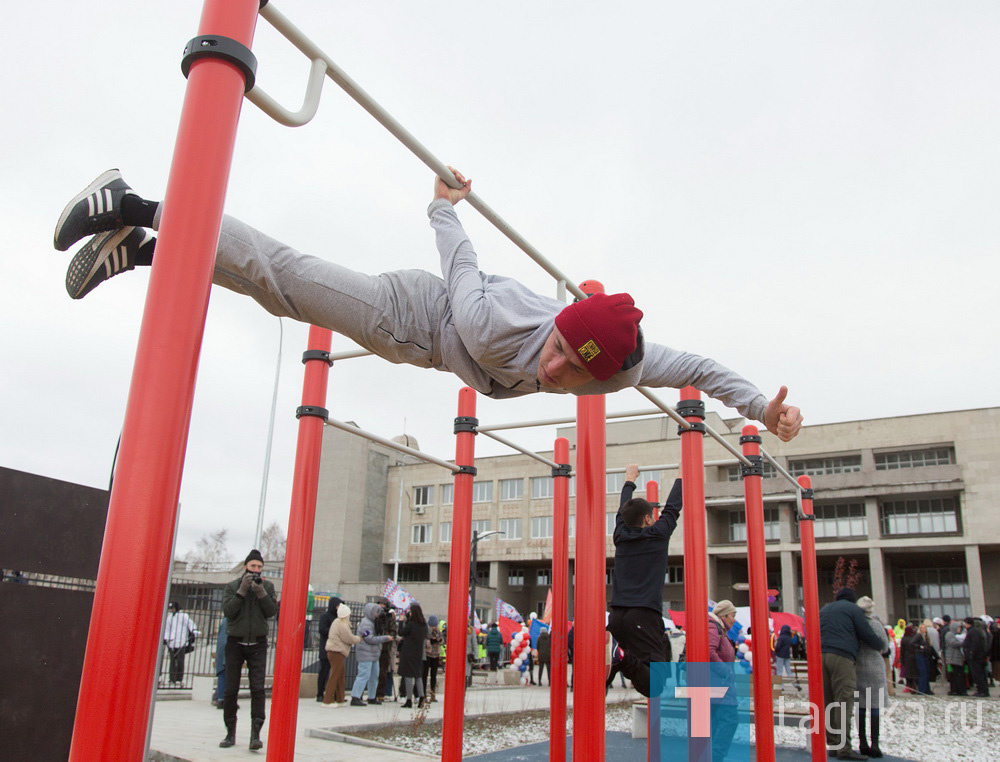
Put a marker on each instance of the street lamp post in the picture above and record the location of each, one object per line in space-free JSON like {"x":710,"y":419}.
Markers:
{"x":476,"y":537}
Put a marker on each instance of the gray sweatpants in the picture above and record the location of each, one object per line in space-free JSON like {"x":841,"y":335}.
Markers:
{"x":396,"y":315}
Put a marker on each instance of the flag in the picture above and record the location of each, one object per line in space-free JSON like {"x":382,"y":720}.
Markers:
{"x":508,"y":627}
{"x":397,"y":596}
{"x":506,"y":610}
{"x":547,"y":611}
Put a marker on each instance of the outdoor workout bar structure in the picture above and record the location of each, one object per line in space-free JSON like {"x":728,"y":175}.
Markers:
{"x":119,"y":668}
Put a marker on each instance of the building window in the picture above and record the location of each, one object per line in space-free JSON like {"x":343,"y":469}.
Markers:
{"x":937,"y":456}
{"x":540,"y":608}
{"x":421,"y":534}
{"x":932,"y":515}
{"x":738,"y":525}
{"x":541,"y":527}
{"x":542,"y":486}
{"x":515,"y":577}
{"x":936,"y":592}
{"x":444,"y":531}
{"x":482,"y":492}
{"x":482,"y":526}
{"x":840,"y":520}
{"x":675,"y":575}
{"x":511,"y":489}
{"x":543,"y":577}
{"x":511,"y":529}
{"x":609,"y":523}
{"x":483,"y":575}
{"x":447,"y":494}
{"x":572,"y":525}
{"x":733,"y":472}
{"x":414,"y":573}
{"x":423,"y":496}
{"x":842,"y":464}
{"x":609,"y":575}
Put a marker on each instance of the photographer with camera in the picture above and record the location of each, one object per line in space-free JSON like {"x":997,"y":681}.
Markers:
{"x":248,"y":602}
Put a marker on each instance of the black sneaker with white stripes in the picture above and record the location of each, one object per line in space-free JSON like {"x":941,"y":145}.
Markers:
{"x":93,"y":210}
{"x":105,"y":256}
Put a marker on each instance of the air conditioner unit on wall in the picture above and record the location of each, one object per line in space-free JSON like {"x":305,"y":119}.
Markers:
{"x":421,"y":510}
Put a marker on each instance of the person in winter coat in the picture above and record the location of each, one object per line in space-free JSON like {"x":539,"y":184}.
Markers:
{"x":641,"y":545}
{"x":994,"y":631}
{"x":494,"y":643}
{"x":413,"y":633}
{"x":975,"y":655}
{"x":783,"y":654}
{"x":954,"y":658}
{"x":544,"y":648}
{"x":925,"y":657}
{"x":900,"y":629}
{"x":337,"y":647}
{"x":367,"y":653}
{"x":842,"y":629}
{"x":432,"y":657}
{"x":869,"y":667}
{"x":722,"y":656}
{"x":386,"y":624}
{"x":909,"y":647}
{"x":325,"y":621}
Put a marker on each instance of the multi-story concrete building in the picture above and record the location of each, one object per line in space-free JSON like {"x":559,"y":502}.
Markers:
{"x":912,"y":500}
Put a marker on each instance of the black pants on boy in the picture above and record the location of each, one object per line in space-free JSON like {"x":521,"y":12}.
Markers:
{"x":639,"y":632}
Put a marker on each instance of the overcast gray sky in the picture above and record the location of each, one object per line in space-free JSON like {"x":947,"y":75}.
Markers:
{"x":806,"y":192}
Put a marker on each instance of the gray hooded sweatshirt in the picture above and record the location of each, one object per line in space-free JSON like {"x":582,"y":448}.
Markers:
{"x":486,"y":329}
{"x":370,"y":646}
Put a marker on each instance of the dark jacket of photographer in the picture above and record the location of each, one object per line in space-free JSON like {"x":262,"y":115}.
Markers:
{"x":247,"y":615}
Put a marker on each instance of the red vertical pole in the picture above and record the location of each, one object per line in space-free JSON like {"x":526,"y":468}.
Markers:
{"x":695,"y":529}
{"x":760,"y":630}
{"x":120,"y":662}
{"x":653,"y":496}
{"x":560,"y":602}
{"x":458,"y":577}
{"x":810,"y":594}
{"x":589,"y":644}
{"x":298,"y":551}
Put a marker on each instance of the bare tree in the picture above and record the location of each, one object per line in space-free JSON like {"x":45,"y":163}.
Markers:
{"x":272,"y":542}
{"x":210,"y":553}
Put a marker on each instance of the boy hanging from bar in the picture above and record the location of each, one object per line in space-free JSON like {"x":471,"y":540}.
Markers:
{"x":499,"y":337}
{"x":636,"y":618}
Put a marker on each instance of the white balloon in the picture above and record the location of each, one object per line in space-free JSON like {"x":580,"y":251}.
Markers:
{"x":524,"y":681}
{"x":518,"y":661}
{"x":518,"y":637}
{"x":743,"y":648}
{"x":533,"y":615}
{"x":513,"y":667}
{"x":749,"y":657}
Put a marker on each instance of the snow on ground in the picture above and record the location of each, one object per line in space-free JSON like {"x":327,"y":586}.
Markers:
{"x":914,"y":727}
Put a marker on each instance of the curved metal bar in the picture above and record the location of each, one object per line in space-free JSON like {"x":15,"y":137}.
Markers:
{"x":314,"y":89}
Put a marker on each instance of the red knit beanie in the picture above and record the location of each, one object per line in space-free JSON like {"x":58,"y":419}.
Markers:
{"x":603,"y":330}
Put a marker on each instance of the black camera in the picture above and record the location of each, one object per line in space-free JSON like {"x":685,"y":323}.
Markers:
{"x":256,"y":577}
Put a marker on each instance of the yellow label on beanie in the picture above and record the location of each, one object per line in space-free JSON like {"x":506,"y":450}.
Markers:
{"x":589,"y":351}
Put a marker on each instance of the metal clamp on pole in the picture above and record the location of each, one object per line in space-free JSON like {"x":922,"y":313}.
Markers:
{"x":466,"y":424}
{"x":471,"y":470}
{"x":312,"y":410}
{"x":692,"y":409}
{"x":805,"y":494}
{"x":563,"y":469}
{"x":316,"y":354}
{"x":756,"y":467}
{"x":226,"y":48}
{"x":750,"y":438}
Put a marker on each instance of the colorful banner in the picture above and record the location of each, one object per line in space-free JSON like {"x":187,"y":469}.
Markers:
{"x":397,"y":596}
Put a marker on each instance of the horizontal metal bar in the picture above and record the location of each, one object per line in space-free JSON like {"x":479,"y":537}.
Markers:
{"x":349,"y":354}
{"x":718,"y":438}
{"x":672,"y":466}
{"x":742,"y":501}
{"x":781,"y":470}
{"x":648,"y":394}
{"x":383,"y":117}
{"x":529,"y":453}
{"x":351,"y":429}
{"x":560,"y":421}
